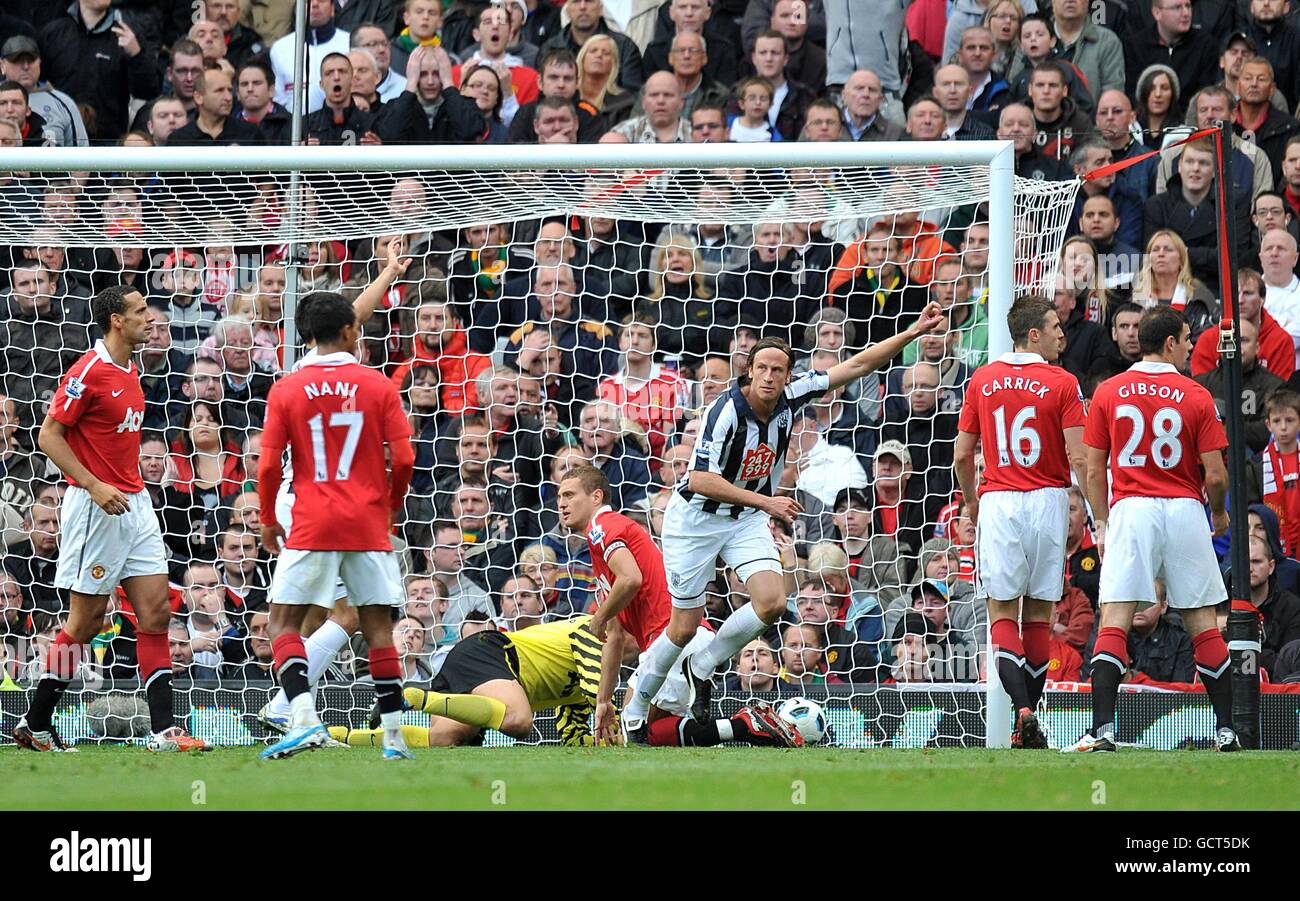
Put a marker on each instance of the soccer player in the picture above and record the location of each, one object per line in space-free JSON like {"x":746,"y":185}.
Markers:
{"x":110,"y":533}
{"x":1164,"y":441}
{"x":1029,"y":416}
{"x":336,"y":417}
{"x":326,"y":630}
{"x":633,"y":600}
{"x":723,"y":505}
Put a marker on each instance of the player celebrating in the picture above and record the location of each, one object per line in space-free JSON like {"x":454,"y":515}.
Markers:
{"x":336,"y":417}
{"x":326,"y":631}
{"x":1029,"y":416}
{"x":1160,"y":431}
{"x":718,"y":507}
{"x":634,"y":601}
{"x":110,"y":533}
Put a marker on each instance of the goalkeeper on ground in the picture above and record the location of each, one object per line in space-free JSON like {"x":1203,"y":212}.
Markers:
{"x":497,"y":680}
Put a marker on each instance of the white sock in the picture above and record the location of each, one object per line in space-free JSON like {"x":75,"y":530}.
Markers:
{"x":740,"y":629}
{"x":650,"y":676}
{"x":725,"y":732}
{"x":321,"y":647}
{"x":302,"y":711}
{"x":392,"y":723}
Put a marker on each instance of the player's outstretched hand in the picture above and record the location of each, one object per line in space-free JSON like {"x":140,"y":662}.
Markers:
{"x":607,"y":733}
{"x":931,"y":318}
{"x":109,"y":499}
{"x":1220,"y":522}
{"x":394,"y":261}
{"x":272,"y":538}
{"x":784,"y":508}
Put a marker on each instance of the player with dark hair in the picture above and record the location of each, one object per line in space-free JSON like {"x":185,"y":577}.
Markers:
{"x":633,"y":599}
{"x":722,"y":505}
{"x":336,"y":418}
{"x":1028,"y":414}
{"x":326,"y":631}
{"x":1163,"y":439}
{"x":110,"y":534}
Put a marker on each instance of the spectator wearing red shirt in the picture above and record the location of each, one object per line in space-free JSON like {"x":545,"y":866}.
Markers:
{"x":439,"y":340}
{"x":207,"y":462}
{"x":647,"y":393}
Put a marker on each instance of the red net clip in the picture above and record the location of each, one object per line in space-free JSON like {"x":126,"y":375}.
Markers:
{"x":1227,"y":339}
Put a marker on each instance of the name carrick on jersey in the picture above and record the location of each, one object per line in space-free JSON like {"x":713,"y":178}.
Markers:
{"x":559,"y":666}
{"x":1155,"y":423}
{"x":336,"y":417}
{"x":744,"y":450}
{"x":102,"y":405}
{"x":648,"y":614}
{"x":1020,"y":406}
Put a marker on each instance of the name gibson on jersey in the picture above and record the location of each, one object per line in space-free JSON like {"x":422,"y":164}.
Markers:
{"x":1142,"y":389}
{"x":1007,"y":383}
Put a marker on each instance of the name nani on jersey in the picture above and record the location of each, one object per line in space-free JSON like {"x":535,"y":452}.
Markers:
{"x":340,"y":389}
{"x":1008,"y":383}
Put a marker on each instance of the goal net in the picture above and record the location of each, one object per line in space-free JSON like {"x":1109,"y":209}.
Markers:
{"x":560,"y":306}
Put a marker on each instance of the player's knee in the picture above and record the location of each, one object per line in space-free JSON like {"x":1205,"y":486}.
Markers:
{"x":517,"y":724}
{"x":680,"y":630}
{"x":345,"y":616}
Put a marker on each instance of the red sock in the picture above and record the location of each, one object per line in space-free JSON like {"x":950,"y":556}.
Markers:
{"x":1036,"y":637}
{"x":1211,"y":653}
{"x":152,"y":654}
{"x":288,"y":648}
{"x":664,"y":732}
{"x":1006,"y":637}
{"x":384,"y":664}
{"x":63,"y":658}
{"x":1112,"y":643}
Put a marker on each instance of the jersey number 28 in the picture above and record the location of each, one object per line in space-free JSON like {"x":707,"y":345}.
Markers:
{"x":352,"y":421}
{"x":1166,"y":448}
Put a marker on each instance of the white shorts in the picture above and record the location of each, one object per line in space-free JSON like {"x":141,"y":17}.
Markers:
{"x":311,"y":577}
{"x":1020,"y":544}
{"x":1151,"y":538}
{"x":693,"y":540}
{"x":284,"y":516}
{"x":97,"y":551}
{"x":674,"y":695}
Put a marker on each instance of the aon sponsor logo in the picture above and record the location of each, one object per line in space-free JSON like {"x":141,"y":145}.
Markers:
{"x":131,"y":422}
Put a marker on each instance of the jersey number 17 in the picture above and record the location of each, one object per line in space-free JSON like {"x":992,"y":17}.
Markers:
{"x":353,"y":421}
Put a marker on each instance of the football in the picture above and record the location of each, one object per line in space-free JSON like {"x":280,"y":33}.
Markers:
{"x":806,"y":717}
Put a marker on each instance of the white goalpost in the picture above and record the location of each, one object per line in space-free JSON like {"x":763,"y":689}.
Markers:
{"x":717,"y":242}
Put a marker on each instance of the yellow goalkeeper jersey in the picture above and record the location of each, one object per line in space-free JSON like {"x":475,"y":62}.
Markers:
{"x":559,"y":666}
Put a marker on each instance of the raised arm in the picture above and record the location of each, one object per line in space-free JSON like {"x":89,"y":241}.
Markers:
{"x":395,"y":266}
{"x":868,"y":361}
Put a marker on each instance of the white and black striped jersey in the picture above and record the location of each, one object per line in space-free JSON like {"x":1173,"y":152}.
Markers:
{"x":744,"y":450}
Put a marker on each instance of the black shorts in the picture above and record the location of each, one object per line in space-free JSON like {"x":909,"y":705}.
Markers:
{"x":478,"y":659}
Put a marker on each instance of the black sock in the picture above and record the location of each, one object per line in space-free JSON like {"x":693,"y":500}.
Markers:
{"x":1105,"y":691}
{"x":1219,"y":688}
{"x":293,"y":678}
{"x":1012,"y":673}
{"x":1034,"y":687}
{"x":705,"y":734}
{"x":388,"y":695}
{"x":46,"y":697}
{"x":158,"y":692}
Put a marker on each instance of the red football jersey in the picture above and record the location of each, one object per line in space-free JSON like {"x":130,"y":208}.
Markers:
{"x":1019,"y":405}
{"x":655,"y":405}
{"x":336,"y":416}
{"x":102,"y":405}
{"x":648,"y":614}
{"x":1155,"y":423}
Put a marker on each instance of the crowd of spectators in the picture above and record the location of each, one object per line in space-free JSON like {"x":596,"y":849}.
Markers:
{"x":523,"y":348}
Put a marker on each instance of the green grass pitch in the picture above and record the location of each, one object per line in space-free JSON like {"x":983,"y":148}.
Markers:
{"x":549,"y":778}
